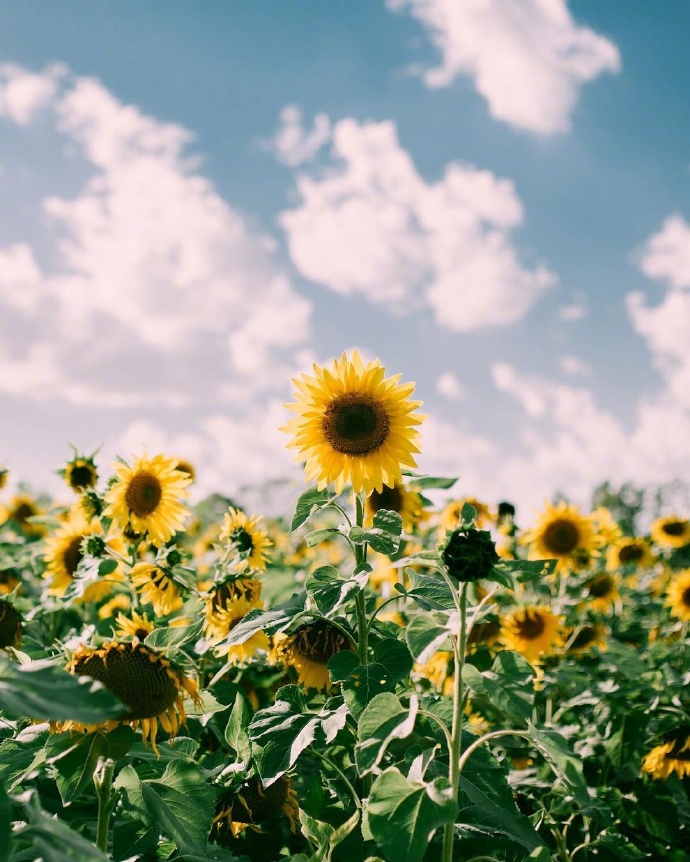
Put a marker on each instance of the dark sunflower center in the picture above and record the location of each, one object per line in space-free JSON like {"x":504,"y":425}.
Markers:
{"x":584,"y":638}
{"x":135,"y":675}
{"x":72,"y":555}
{"x":561,"y":536}
{"x":143,"y":494}
{"x":531,"y":627}
{"x":484,"y":632}
{"x":685,"y":598}
{"x":679,"y":738}
{"x":674,"y":528}
{"x":22,"y":512}
{"x":355,"y":424}
{"x":630,"y":553}
{"x":319,"y":642}
{"x":601,"y":586}
{"x":242,"y":540}
{"x":82,"y":476}
{"x":256,"y":803}
{"x":387,"y":498}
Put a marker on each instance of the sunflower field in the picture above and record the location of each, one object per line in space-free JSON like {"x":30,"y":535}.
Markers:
{"x":393,"y":672}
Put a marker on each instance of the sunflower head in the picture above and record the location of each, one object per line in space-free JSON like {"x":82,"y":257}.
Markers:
{"x":308,"y":649}
{"x":224,"y":621}
{"x":186,"y":467}
{"x":561,"y":533}
{"x":245,"y":540}
{"x":138,"y":626}
{"x":156,"y":586}
{"x":672,"y":755}
{"x":21,"y":510}
{"x":534,"y":631}
{"x":224,"y":599}
{"x":254,"y":804}
{"x":450,"y":516}
{"x":469,"y":554}
{"x":671,"y":532}
{"x":4,"y":473}
{"x":354,"y":425}
{"x":396,"y":498}
{"x":80,"y":473}
{"x":629,"y":553}
{"x":146,"y":498}
{"x":602,"y":591}
{"x":588,"y":637}
{"x":678,"y":595}
{"x":10,"y":625}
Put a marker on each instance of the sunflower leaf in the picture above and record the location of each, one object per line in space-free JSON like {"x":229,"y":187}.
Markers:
{"x":526,"y":570}
{"x":507,"y":686}
{"x":553,"y":747}
{"x":310,"y":501}
{"x":329,"y":591}
{"x":5,"y":824}
{"x":383,"y":720}
{"x":384,"y":535}
{"x":419,"y":483}
{"x":236,"y":734}
{"x":425,"y":635}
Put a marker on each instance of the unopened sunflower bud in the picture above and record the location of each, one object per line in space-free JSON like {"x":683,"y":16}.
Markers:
{"x":469,"y":555}
{"x":95,"y":546}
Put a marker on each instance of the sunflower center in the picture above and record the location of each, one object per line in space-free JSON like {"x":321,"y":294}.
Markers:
{"x":242,"y":540}
{"x":586,"y":636}
{"x":561,"y":536}
{"x":531,"y":627}
{"x":143,"y":494}
{"x":685,"y":598}
{"x":22,"y":512}
{"x":81,"y":476}
{"x":674,"y":528}
{"x":601,"y":586}
{"x":135,"y":675}
{"x":319,"y":642}
{"x":72,"y":555}
{"x":387,"y":498}
{"x":630,"y":554}
{"x":355,"y":424}
{"x":258,"y":803}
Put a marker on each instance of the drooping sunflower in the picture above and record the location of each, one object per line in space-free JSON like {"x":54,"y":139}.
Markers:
{"x":156,"y":587}
{"x":450,"y":515}
{"x":80,"y":473}
{"x":533,"y":631}
{"x":678,"y":595}
{"x":671,"y":532}
{"x":407,"y":503}
{"x":630,"y":553}
{"x":354,"y":425}
{"x":672,"y":755}
{"x":602,"y":591}
{"x":560,"y":532}
{"x":308,"y":649}
{"x":253,"y":804}
{"x":10,"y":625}
{"x":223,"y":599}
{"x":144,"y":680}
{"x":238,"y":654}
{"x":246,"y":540}
{"x":146,"y":498}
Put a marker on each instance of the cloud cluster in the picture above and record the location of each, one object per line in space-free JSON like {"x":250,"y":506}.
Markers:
{"x":528,"y":59}
{"x":369,"y":224}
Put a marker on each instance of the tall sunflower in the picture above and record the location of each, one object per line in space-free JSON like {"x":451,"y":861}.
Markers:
{"x":245,"y":539}
{"x":671,"y":532}
{"x":533,"y":631}
{"x":354,"y":425}
{"x":672,"y":755}
{"x":678,"y":595}
{"x":308,"y":649}
{"x":144,"y":680}
{"x":147,"y":497}
{"x":561,"y":533}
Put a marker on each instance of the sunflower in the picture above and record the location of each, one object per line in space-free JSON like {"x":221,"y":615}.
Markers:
{"x":4,"y":473}
{"x":243,"y":536}
{"x":450,"y":516}
{"x":156,"y":587}
{"x":678,"y":595}
{"x":80,"y":473}
{"x":144,"y":680}
{"x":631,"y":553}
{"x":10,"y":625}
{"x":439,"y":671}
{"x":354,"y":425}
{"x":139,"y":626}
{"x":238,"y":654}
{"x":253,"y":803}
{"x":671,"y":532}
{"x":186,"y":467}
{"x":222,"y":600}
{"x":486,"y":632}
{"x":8,"y":581}
{"x":21,"y":509}
{"x":673,"y":755}
{"x":602,"y":591}
{"x":560,"y":533}
{"x":533,"y":631}
{"x":308,"y":649}
{"x":588,"y":637}
{"x":146,"y":497}
{"x":120,"y":602}
{"x":395,"y":498}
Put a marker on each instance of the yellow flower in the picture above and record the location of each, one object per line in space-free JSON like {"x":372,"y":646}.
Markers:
{"x":439,"y":671}
{"x":120,"y":602}
{"x":80,"y":474}
{"x":246,"y":540}
{"x":138,"y":626}
{"x":602,"y":591}
{"x":146,"y":497}
{"x":678,"y":595}
{"x":533,"y":631}
{"x":671,"y":532}
{"x":4,"y":473}
{"x":226,"y":620}
{"x":588,"y":637}
{"x":156,"y":587}
{"x":21,"y":508}
{"x":673,"y":755}
{"x":186,"y":467}
{"x":630,"y":553}
{"x":144,"y":680}
{"x":354,"y":425}
{"x":308,"y":650}
{"x":407,"y":504}
{"x":223,"y":598}
{"x":560,"y":532}
{"x":253,"y":804}
{"x":450,"y":516}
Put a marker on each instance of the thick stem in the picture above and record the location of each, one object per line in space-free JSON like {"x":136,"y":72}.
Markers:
{"x":103,"y":779}
{"x":361,"y":601}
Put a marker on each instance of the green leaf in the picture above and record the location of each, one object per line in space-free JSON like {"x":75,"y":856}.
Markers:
{"x":173,"y":637}
{"x":403,"y":817}
{"x":329,"y":591}
{"x":236,"y":734}
{"x":74,"y":762}
{"x":324,"y":836}
{"x":311,"y":500}
{"x":181,"y":803}
{"x":21,"y":756}
{"x":468,"y":515}
{"x":271,"y":622}
{"x":43,"y":690}
{"x":383,"y":720}
{"x":317,"y":536}
{"x":384,"y":535}
{"x":52,"y":840}
{"x":507,"y":686}
{"x":430,"y":593}
{"x":360,"y":683}
{"x":395,"y":657}
{"x":5,"y":824}
{"x":426,"y":634}
{"x":567,"y":767}
{"x":421,"y":483}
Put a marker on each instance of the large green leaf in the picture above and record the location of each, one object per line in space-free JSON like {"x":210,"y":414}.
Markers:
{"x":403,"y":817}
{"x":507,"y":686}
{"x":236,"y":734}
{"x":52,"y":840}
{"x":324,"y":836}
{"x":567,"y":767}
{"x":383,"y":720}
{"x":395,"y":658}
{"x":45,"y":691}
{"x":430,"y":593}
{"x":360,"y":683}
{"x":310,"y":501}
{"x":5,"y":824}
{"x":426,"y":634}
{"x":329,"y":591}
{"x":383,"y":536}
{"x":270,"y":622}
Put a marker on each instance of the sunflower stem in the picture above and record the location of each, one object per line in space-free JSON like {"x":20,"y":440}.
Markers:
{"x":361,"y":600}
{"x":103,"y":780}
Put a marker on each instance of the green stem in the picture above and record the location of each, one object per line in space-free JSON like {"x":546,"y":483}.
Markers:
{"x":495,"y":734}
{"x":442,"y":725}
{"x":103,"y":779}
{"x":343,"y":777}
{"x":361,"y":600}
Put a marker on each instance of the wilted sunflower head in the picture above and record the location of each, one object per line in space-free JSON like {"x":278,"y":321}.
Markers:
{"x":672,"y":755}
{"x":560,"y":532}
{"x":80,"y":473}
{"x":245,"y":540}
{"x":671,"y":532}
{"x":533,"y":631}
{"x":146,"y":498}
{"x":10,"y":625}
{"x":602,"y":591}
{"x":678,"y":595}
{"x":395,"y":498}
{"x":354,"y":425}
{"x":142,"y":679}
{"x":253,"y":804}
{"x":308,"y":649}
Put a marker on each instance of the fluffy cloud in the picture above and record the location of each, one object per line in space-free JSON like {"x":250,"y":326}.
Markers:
{"x":528,"y":59}
{"x":449,"y":386}
{"x":23,"y":94}
{"x":293,"y":144}
{"x":370,"y":224}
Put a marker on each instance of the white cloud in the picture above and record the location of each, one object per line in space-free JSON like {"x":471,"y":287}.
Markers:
{"x":23,"y":94}
{"x":573,"y":366}
{"x":292,"y":144}
{"x":528,"y":59}
{"x":572,"y":312}
{"x":666,"y":254}
{"x":449,"y":386}
{"x":370,"y":224}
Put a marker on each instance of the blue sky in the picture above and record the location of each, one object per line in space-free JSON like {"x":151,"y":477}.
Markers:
{"x":202,"y":199}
